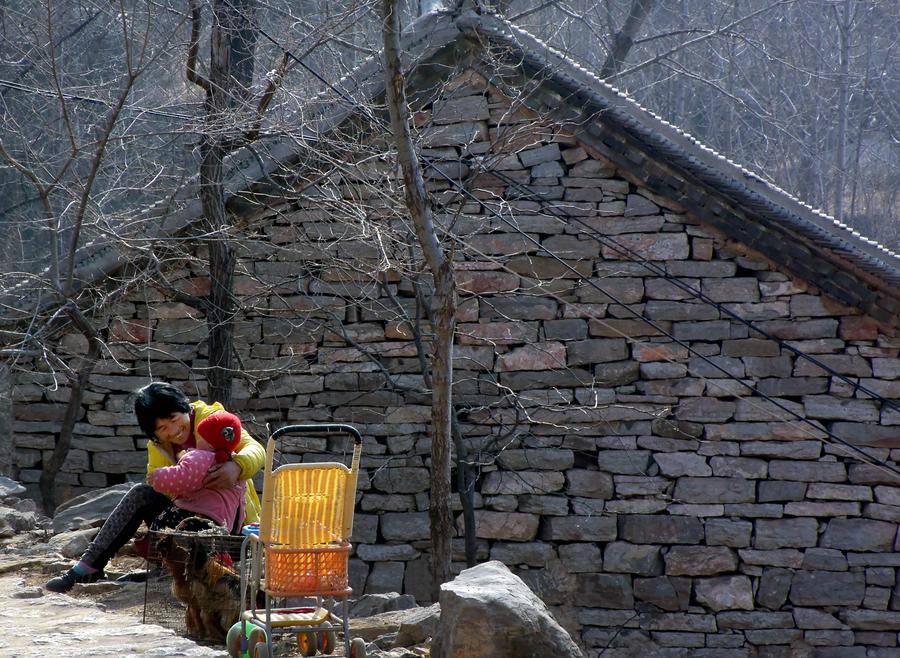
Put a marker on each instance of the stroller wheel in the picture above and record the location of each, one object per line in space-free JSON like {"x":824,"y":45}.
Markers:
{"x":236,"y":634}
{"x":357,"y":648}
{"x":327,"y":639}
{"x":261,"y":650}
{"x":233,"y":641}
{"x":307,"y":643}
{"x":255,"y":639}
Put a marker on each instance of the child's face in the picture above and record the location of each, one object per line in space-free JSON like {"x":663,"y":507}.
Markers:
{"x":174,"y":429}
{"x":203,"y":445}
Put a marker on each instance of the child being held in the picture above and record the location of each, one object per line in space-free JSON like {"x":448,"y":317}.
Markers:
{"x":219,"y":434}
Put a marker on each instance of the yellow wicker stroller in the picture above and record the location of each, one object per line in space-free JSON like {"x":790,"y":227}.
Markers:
{"x":300,"y":552}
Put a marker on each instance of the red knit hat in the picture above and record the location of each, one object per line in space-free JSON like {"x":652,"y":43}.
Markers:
{"x":221,"y":430}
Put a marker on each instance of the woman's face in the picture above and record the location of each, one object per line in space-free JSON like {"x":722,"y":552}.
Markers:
{"x":174,"y":428}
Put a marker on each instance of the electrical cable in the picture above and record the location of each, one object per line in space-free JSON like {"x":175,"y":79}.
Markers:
{"x":853,"y":449}
{"x":697,"y":294}
{"x":862,"y":455}
{"x":87,"y":99}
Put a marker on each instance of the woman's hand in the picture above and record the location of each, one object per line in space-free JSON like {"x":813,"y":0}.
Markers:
{"x":222,"y":476}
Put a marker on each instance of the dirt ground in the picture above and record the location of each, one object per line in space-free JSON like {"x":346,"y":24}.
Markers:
{"x":100,"y":620}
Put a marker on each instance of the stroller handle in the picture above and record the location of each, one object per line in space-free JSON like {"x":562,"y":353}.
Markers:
{"x":323,"y":428}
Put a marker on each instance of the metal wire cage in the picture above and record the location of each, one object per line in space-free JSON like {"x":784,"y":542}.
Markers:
{"x":193,"y":582}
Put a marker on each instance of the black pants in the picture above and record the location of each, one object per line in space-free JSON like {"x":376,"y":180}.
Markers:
{"x":140,"y":505}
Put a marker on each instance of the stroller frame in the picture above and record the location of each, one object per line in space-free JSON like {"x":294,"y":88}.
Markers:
{"x":301,"y":551}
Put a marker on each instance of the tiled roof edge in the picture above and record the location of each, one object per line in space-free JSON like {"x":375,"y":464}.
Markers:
{"x":695,"y":156}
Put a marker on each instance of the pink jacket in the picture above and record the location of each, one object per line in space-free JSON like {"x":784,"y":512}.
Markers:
{"x":184,"y":483}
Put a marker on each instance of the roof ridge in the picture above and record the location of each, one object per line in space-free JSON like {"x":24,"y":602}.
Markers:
{"x":493,"y":24}
{"x":435,"y":30}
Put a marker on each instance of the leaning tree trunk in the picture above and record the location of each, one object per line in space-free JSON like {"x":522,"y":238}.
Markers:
{"x":52,"y":466}
{"x":443,"y":300}
{"x":7,"y":438}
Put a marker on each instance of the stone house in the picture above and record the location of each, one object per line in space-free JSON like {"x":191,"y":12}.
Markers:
{"x":679,"y":384}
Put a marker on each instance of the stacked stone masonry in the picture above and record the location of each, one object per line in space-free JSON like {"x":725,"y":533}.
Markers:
{"x":631,"y":479}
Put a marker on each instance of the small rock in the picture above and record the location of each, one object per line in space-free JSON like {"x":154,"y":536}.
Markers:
{"x":374,"y":604}
{"x":385,"y":641}
{"x":418,"y":626}
{"x":385,"y":623}
{"x":72,"y":544}
{"x":25,"y":505}
{"x":139,"y":576}
{"x":28,"y":593}
{"x":100,"y":587}
{"x":9,"y":487}
{"x":16,"y":520}
{"x":17,"y":565}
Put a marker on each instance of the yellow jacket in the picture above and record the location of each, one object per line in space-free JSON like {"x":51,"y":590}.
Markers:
{"x":249,"y":455}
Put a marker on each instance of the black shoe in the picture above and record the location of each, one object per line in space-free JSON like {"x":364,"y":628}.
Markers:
{"x":67,"y":581}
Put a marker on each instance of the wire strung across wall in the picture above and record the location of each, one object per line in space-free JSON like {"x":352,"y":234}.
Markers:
{"x":856,"y":451}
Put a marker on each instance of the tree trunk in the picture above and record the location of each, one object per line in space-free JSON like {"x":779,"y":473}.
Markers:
{"x":232,"y":45}
{"x":7,"y":437}
{"x":465,"y":485}
{"x":52,"y":466}
{"x":624,"y":38}
{"x":220,"y":303}
{"x":441,"y":419}
{"x":444,"y":301}
{"x":840,"y":165}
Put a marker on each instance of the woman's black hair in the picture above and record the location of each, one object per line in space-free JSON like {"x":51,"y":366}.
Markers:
{"x":158,"y":400}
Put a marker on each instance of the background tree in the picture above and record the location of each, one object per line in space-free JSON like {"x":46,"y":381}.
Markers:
{"x":804,"y":93}
{"x":68,"y":181}
{"x":227,"y":110}
{"x":444,"y":300}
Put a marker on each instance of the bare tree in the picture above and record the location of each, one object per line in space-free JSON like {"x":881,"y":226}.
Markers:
{"x":227,"y":89}
{"x":791,"y":89}
{"x":444,"y":302}
{"x":233,"y":114}
{"x":623,"y":40}
{"x":66,"y":189}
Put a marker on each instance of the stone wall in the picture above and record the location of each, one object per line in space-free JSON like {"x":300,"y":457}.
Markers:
{"x":635,"y":484}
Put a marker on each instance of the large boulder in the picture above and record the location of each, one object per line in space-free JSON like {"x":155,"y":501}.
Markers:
{"x":90,"y":509}
{"x":488,"y":612}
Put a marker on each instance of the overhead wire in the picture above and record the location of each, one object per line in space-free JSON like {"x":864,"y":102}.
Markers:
{"x":852,"y":449}
{"x":18,"y":86}
{"x":697,"y":294}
